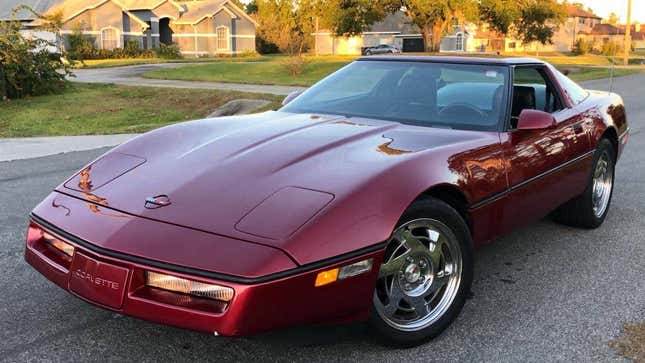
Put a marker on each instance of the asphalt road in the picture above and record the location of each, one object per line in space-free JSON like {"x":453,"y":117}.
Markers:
{"x":544,"y":293}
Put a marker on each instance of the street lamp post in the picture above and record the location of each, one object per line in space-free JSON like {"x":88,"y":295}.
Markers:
{"x":628,"y":31}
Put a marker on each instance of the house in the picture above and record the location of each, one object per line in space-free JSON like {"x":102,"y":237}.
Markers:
{"x":26,"y":17}
{"x":602,"y":34}
{"x":578,"y":21}
{"x":397,"y":30}
{"x":394,"y":30}
{"x":199,"y":27}
{"x":481,"y":38}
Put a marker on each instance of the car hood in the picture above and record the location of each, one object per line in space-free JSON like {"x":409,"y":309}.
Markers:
{"x":257,"y":177}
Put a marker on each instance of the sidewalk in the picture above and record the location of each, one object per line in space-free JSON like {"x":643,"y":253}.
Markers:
{"x":34,"y":147}
{"x":131,"y":76}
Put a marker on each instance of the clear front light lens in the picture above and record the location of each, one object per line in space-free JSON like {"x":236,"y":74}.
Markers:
{"x":355,"y":269}
{"x":185,"y":286}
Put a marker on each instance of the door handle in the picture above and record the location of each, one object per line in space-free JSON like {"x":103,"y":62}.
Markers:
{"x":578,"y":129}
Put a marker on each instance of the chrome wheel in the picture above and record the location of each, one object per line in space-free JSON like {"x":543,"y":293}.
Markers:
{"x":603,"y":180}
{"x":420,"y":275}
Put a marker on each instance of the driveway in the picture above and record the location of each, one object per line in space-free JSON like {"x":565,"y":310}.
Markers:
{"x":131,"y":76}
{"x":544,"y":293}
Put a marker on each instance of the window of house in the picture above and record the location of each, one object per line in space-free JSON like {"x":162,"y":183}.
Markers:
{"x":512,"y":45}
{"x":581,"y":21}
{"x":109,"y":39}
{"x":459,"y":42}
{"x":222,"y":38}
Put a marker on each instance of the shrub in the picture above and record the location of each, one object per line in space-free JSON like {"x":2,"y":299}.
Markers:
{"x":168,"y":51}
{"x":295,"y":64}
{"x":263,"y":46}
{"x":82,"y":47}
{"x":247,"y":54}
{"x":27,"y":68}
{"x":611,"y":49}
{"x":583,"y":47}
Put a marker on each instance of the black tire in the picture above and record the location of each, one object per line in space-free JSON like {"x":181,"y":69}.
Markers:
{"x":438,"y":210}
{"x":368,"y":53}
{"x":579,"y":212}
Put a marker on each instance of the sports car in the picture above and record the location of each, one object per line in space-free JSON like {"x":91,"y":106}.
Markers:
{"x":360,"y":199}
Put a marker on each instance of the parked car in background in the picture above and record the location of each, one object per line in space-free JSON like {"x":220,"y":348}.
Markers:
{"x":363,"y":198}
{"x":381,"y":49}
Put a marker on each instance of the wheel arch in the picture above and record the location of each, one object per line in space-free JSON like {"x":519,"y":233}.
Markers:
{"x":610,"y":134}
{"x":453,"y":196}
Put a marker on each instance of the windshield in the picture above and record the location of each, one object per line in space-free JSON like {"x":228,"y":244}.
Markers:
{"x":462,"y":96}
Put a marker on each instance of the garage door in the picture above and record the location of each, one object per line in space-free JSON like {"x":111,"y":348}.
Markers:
{"x":413,"y":45}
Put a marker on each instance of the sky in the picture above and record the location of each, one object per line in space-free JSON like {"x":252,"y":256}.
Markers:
{"x":603,"y":7}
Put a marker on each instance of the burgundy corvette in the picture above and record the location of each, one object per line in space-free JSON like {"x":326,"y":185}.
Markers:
{"x":363,"y":198}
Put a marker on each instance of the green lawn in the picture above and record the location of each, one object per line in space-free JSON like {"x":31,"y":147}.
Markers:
{"x":86,"y":109}
{"x":271,"y":70}
{"x":587,"y":74}
{"x":106,"y":63}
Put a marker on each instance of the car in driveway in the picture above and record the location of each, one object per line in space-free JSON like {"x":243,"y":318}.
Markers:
{"x":381,"y":49}
{"x":361,"y":199}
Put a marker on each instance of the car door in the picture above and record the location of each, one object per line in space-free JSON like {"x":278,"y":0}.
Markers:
{"x":545,"y":167}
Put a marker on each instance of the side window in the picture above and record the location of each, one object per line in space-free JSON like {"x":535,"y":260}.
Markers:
{"x":532,"y":90}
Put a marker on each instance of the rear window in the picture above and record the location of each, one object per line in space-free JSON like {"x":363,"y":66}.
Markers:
{"x":575,"y":93}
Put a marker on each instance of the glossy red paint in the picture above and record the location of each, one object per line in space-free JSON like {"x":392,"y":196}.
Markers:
{"x":261,"y":203}
{"x":97,"y":281}
{"x":255,"y":307}
{"x":535,"y":120}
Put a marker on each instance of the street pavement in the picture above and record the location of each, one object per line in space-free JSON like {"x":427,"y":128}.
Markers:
{"x":131,"y":76}
{"x":33,"y":147}
{"x":544,"y":293}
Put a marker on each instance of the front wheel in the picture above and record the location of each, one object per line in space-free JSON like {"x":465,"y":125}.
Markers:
{"x":589,"y":209}
{"x":425,"y":275}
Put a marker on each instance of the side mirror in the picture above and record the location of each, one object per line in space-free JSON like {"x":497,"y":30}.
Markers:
{"x":290,"y":97}
{"x":535,"y":120}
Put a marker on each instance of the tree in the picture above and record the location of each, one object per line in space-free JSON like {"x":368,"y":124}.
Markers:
{"x":612,"y":19}
{"x":528,"y":20}
{"x":285,"y":23}
{"x":350,"y":17}
{"x":500,"y":14}
{"x":251,"y":7}
{"x":538,"y":21}
{"x":26,"y":65}
{"x":434,"y":17}
{"x":288,"y":24}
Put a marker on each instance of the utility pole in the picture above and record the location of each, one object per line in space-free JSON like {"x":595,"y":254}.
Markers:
{"x":628,"y":32}
{"x":316,"y":38}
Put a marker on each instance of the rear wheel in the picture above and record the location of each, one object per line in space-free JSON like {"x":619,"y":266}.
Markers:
{"x":589,"y":209}
{"x":425,"y":275}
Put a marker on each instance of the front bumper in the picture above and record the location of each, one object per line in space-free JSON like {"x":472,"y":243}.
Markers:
{"x":256,"y":307}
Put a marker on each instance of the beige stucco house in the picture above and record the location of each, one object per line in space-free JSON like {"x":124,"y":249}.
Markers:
{"x":605,"y":33}
{"x":199,"y":27}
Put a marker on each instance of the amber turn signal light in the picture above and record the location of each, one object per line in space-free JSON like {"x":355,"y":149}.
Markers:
{"x":354,"y":269}
{"x":326,"y":277}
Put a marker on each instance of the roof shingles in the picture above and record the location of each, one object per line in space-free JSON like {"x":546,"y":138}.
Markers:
{"x":39,"y":6}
